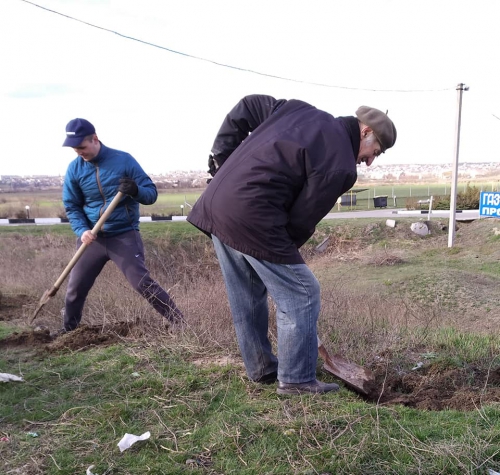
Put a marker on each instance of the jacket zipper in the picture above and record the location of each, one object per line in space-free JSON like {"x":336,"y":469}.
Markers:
{"x":101,"y":211}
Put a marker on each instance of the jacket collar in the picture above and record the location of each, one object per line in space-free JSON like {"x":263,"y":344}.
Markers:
{"x":102,"y":153}
{"x":352,"y":126}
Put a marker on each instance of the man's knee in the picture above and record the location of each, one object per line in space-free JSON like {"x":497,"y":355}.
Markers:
{"x":147,"y":287}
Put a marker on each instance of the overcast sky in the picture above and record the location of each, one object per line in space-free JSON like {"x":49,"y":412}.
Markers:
{"x":164,"y":106}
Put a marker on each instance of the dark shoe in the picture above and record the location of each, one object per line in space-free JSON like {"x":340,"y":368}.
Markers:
{"x":311,"y":387}
{"x":56,"y":333}
{"x":270,"y":378}
{"x":176,"y":327}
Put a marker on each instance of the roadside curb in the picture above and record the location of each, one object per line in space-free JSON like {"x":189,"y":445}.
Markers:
{"x":437,"y":211}
{"x":143,"y":219}
{"x":423,"y":211}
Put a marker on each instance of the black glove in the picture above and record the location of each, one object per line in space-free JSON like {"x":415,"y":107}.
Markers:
{"x":128,"y":186}
{"x":212,"y":167}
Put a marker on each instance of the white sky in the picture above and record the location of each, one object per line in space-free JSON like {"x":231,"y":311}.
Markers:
{"x":165,"y":108}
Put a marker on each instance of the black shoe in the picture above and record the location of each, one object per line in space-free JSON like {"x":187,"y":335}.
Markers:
{"x":311,"y":387}
{"x":270,"y":378}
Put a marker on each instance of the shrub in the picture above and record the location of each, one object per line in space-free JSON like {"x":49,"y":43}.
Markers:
{"x":467,"y":199}
{"x":411,"y":203}
{"x":20,"y":214}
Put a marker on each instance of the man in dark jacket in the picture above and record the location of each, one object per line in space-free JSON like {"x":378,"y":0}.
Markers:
{"x":91,"y":181}
{"x":278,"y":168}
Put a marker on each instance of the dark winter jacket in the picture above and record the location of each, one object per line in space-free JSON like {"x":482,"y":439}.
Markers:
{"x":278,"y":182}
{"x":89,"y":187}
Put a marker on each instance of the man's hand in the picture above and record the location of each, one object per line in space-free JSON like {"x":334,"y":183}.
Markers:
{"x":214,"y":163}
{"x":87,"y":237}
{"x":128,"y":186}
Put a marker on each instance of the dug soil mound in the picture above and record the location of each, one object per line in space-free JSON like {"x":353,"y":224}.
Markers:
{"x":87,"y":336}
{"x":84,"y":337}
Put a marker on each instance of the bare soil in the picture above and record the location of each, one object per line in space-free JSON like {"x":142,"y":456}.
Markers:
{"x":40,"y":338}
{"x":428,"y":388}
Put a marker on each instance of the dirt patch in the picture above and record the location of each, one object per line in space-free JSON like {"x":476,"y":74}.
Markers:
{"x":11,"y":307}
{"x":435,"y":389}
{"x":83,"y":337}
{"x":32,"y":338}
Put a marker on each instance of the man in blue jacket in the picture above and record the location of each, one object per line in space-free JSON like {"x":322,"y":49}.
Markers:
{"x":278,"y":168}
{"x":91,"y":182}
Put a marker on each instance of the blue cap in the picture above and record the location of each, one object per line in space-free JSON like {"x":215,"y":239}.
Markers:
{"x":76,"y":131}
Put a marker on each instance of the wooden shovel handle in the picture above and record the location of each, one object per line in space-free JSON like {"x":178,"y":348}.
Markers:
{"x":83,"y":247}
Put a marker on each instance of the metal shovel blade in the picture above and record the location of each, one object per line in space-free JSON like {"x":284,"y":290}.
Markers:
{"x":354,"y":376}
{"x":45,"y":298}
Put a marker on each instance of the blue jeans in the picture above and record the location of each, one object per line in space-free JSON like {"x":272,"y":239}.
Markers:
{"x":296,"y":293}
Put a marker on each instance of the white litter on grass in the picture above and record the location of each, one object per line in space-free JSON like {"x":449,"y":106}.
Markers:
{"x":492,"y":472}
{"x":418,"y":366}
{"x":89,"y":472}
{"x":129,"y":439}
{"x":6,"y":377}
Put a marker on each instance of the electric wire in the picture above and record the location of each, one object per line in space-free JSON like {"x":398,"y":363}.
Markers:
{"x":199,"y":58}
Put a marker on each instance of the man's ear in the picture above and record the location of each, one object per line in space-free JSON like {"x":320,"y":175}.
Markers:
{"x":365,"y":131}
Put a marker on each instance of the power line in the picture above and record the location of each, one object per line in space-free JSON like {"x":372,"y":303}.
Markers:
{"x":228,"y":65}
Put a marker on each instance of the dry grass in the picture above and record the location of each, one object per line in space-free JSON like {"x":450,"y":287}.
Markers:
{"x":364,"y":311}
{"x":190,"y":274}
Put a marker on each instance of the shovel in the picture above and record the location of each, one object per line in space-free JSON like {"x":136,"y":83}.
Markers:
{"x":354,"y":376}
{"x":51,"y":292}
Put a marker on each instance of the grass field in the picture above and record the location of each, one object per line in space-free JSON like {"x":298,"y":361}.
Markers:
{"x":48,"y":204}
{"x":423,"y":317}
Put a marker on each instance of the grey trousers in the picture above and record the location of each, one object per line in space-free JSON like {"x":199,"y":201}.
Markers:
{"x":127,"y":252}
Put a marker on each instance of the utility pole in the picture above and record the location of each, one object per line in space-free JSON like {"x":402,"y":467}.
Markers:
{"x":454,"y":171}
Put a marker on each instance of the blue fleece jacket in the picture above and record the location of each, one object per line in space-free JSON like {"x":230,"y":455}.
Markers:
{"x":89,"y":187}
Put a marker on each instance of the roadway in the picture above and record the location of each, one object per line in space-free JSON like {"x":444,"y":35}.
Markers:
{"x":403,"y":213}
{"x":465,"y":215}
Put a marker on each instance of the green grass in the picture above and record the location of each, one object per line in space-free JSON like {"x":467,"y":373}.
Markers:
{"x":48,"y":204}
{"x":6,"y":330}
{"x":210,"y":420}
{"x":466,"y":346}
{"x":38,"y":230}
{"x":175,"y":230}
